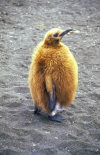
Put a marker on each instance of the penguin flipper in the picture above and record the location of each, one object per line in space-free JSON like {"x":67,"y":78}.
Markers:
{"x":52,"y":99}
{"x":51,"y":92}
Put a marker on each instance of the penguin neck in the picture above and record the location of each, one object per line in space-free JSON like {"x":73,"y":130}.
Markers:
{"x":55,"y":44}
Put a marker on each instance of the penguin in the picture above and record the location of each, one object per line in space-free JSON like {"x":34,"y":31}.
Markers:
{"x":53,"y":75}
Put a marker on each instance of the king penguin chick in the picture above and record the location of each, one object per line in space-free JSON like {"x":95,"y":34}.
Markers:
{"x":53,"y":75}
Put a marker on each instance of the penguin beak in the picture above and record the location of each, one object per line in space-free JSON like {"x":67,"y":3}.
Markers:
{"x":69,"y":31}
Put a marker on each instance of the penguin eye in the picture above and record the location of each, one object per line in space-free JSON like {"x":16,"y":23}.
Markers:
{"x":55,"y":35}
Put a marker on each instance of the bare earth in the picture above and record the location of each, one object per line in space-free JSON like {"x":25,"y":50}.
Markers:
{"x":23,"y":24}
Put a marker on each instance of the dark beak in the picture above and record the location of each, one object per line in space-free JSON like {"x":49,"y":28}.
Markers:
{"x":65,"y":32}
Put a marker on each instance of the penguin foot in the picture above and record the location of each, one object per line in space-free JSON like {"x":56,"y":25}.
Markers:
{"x":60,"y":110}
{"x":37,"y":110}
{"x":56,"y":118}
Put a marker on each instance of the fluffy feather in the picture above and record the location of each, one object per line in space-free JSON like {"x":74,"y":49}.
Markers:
{"x":53,"y":63}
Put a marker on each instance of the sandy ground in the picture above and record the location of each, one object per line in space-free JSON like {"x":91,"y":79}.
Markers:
{"x":23,"y":24}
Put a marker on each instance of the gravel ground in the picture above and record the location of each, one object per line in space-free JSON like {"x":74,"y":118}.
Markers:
{"x":23,"y":24}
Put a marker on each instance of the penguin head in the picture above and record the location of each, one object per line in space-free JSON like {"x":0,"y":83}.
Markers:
{"x":54,"y":36}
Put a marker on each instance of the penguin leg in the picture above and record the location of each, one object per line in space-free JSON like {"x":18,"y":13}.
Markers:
{"x":54,"y":117}
{"x":36,"y":110}
{"x":51,"y":92}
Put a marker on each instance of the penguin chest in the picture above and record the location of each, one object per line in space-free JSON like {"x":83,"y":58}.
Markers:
{"x":65,"y":77}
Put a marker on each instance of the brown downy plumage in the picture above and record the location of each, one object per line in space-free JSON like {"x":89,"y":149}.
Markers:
{"x":53,"y":66}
